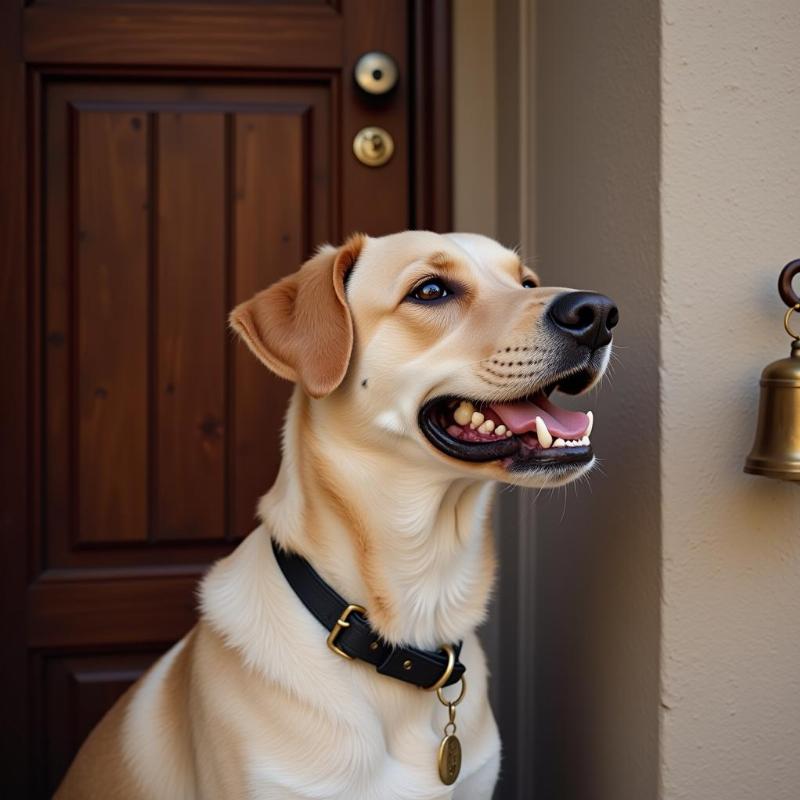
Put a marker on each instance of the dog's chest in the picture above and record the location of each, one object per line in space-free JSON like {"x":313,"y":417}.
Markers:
{"x":351,"y":733}
{"x":308,"y":724}
{"x":372,"y":760}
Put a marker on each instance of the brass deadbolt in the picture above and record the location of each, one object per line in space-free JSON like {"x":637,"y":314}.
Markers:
{"x":373,"y":146}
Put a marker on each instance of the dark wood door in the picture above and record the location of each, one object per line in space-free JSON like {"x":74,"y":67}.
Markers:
{"x":160,"y":163}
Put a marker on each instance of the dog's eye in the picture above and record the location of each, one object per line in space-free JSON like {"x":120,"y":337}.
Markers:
{"x":430,"y":290}
{"x":529,"y":283}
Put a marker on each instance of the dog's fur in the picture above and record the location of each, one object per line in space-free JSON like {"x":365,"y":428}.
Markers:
{"x":251,"y":703}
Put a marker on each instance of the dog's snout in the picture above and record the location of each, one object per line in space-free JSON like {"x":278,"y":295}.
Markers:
{"x":586,"y":316}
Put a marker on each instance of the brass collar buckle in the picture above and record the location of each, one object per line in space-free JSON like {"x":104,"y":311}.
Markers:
{"x":337,"y":629}
{"x":351,"y":636}
{"x":448,"y":670}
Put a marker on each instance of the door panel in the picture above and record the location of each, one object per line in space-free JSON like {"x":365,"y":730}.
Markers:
{"x":180,"y":200}
{"x":197,"y":34}
{"x":109,"y":320}
{"x":82,"y":608}
{"x":279,"y":238}
{"x":180,"y":157}
{"x":76,"y":693}
{"x":190,"y":276}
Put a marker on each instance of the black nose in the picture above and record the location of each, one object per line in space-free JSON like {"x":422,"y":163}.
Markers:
{"x":586,"y":316}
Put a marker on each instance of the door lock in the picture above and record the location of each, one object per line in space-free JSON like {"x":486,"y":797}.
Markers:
{"x":376,"y":73}
{"x":373,"y":146}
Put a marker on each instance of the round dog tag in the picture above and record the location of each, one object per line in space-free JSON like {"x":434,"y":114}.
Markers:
{"x":449,"y":759}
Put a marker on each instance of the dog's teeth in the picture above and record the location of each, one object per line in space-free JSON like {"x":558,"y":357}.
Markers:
{"x":500,"y":430}
{"x":487,"y":427}
{"x":463,"y":414}
{"x":477,"y":418}
{"x":570,"y":443}
{"x":588,"y":431}
{"x":509,"y":434}
{"x":585,"y":441}
{"x":542,"y":434}
{"x":559,"y":442}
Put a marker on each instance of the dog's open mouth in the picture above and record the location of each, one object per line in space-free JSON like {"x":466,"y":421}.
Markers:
{"x":527,"y":433}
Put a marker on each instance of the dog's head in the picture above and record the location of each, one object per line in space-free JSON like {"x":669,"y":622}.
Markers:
{"x":448,"y":344}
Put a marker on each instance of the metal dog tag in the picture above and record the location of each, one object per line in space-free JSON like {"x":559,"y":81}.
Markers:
{"x":449,"y":759}
{"x":450,"y":747}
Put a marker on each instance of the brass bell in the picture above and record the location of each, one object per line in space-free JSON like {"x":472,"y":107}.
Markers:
{"x":776,"y":450}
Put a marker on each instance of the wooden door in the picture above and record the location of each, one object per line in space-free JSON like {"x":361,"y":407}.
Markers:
{"x":160,"y":163}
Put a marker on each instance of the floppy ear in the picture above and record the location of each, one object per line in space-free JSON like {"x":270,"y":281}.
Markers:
{"x":301,"y":327}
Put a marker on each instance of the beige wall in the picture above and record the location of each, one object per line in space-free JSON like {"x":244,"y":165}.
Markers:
{"x":598,"y":543}
{"x":730,"y":214}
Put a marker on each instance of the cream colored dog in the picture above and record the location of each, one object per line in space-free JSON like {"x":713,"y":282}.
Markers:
{"x":423,"y":365}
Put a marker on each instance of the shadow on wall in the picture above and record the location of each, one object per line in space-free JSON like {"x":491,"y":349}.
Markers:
{"x":598,"y":543}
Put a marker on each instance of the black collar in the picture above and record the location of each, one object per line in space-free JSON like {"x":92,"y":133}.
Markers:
{"x":352,"y":637}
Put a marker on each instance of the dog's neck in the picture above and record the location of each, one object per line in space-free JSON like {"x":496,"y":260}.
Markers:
{"x":414,"y":548}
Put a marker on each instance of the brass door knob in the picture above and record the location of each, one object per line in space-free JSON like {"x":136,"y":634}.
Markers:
{"x":376,"y":73}
{"x":373,"y":146}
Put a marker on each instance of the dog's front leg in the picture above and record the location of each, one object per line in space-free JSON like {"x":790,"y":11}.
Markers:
{"x":480,"y":785}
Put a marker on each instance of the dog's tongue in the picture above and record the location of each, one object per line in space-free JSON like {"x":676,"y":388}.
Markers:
{"x":521,"y":416}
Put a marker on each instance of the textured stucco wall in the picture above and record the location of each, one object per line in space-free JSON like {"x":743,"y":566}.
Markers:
{"x":731,"y":543}
{"x":598,"y":544}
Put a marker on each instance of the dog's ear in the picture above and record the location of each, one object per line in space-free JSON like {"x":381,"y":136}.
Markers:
{"x":300,"y":327}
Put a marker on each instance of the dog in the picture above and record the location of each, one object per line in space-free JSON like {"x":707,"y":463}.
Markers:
{"x":423,"y":366}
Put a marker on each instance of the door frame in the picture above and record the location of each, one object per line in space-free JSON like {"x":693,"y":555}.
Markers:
{"x":21,"y":457}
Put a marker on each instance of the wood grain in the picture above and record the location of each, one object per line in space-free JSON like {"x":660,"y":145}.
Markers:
{"x":226,"y":35}
{"x":77,"y":691}
{"x":85,"y":612}
{"x":189,"y":480}
{"x":270,"y":229}
{"x":113,"y":325}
